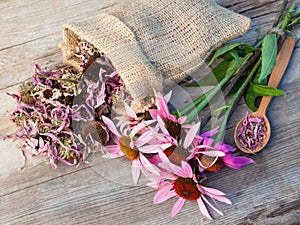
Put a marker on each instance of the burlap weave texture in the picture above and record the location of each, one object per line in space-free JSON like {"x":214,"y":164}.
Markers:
{"x":155,"y":42}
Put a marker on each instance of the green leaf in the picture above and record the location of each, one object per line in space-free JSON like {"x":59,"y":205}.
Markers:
{"x":256,"y":90}
{"x":249,"y":98}
{"x":261,"y":90}
{"x":269,"y":54}
{"x":214,"y":77}
{"x":235,"y":55}
{"x":256,"y":77}
{"x":227,"y":48}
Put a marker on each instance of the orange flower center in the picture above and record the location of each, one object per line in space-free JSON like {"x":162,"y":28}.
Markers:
{"x":130,"y":153}
{"x":96,"y":129}
{"x":173,"y":128}
{"x":176,"y":154}
{"x":186,"y":188}
{"x":208,"y":160}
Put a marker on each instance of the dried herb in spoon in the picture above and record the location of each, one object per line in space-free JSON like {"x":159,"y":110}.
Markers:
{"x":252,"y":133}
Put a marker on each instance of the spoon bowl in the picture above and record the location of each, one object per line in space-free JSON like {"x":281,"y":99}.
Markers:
{"x":282,"y":62}
{"x":265,"y":141}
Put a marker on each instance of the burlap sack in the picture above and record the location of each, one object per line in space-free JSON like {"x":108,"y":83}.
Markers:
{"x":152,"y":42}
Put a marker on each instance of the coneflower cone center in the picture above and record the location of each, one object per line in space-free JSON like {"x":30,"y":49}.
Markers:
{"x":97,"y":131}
{"x":173,"y":128}
{"x":207,"y":162}
{"x":130,"y":153}
{"x":47,"y":93}
{"x":186,"y":188}
{"x":176,"y":154}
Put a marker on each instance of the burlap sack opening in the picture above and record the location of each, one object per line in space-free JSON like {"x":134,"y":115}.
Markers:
{"x":152,"y":43}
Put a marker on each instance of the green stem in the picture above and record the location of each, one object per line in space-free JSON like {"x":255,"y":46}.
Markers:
{"x":284,"y":23}
{"x":233,"y":100}
{"x":280,"y":13}
{"x":209,"y":97}
{"x":191,"y":105}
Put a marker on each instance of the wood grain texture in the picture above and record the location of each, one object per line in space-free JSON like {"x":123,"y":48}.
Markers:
{"x":267,"y":192}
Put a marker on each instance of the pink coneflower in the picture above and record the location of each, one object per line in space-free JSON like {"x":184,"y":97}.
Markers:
{"x":214,"y":163}
{"x":180,"y":150}
{"x":181,"y":182}
{"x":172,"y":124}
{"x":132,"y":145}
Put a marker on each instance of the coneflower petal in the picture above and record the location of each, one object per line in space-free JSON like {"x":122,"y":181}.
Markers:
{"x":162,"y":193}
{"x":203,"y":208}
{"x":212,"y":206}
{"x":191,"y":135}
{"x":111,"y":126}
{"x":129,"y":111}
{"x":135,"y":170}
{"x":177,"y":206}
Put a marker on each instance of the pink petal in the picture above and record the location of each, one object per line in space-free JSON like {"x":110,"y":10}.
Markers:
{"x":161,"y":194}
{"x":203,"y":208}
{"x":204,"y":147}
{"x":161,"y":125}
{"x":177,"y":206}
{"x":220,"y":198}
{"x":192,"y":155}
{"x":129,"y":111}
{"x":191,"y":135}
{"x":147,"y":165}
{"x":135,"y":170}
{"x":208,"y":141}
{"x":111,"y":126}
{"x":144,"y":138}
{"x":155,"y":159}
{"x":172,"y":118}
{"x":212,"y":191}
{"x":182,"y":119}
{"x":211,"y":205}
{"x":162,"y":104}
{"x":113,"y":151}
{"x":139,"y":127}
{"x":168,"y":96}
{"x":170,"y":167}
{"x":224,"y":147}
{"x":186,"y":170}
{"x":153,"y":148}
{"x":236,"y":162}
{"x":154,"y":113}
{"x":210,"y":133}
{"x":213,"y":153}
{"x":163,"y":156}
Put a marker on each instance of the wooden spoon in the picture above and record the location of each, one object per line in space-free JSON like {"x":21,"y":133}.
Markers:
{"x":282,"y":62}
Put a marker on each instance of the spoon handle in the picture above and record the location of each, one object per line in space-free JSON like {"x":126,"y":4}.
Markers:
{"x":282,"y":62}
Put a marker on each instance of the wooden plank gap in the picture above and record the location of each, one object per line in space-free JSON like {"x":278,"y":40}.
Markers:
{"x":46,"y":181}
{"x":26,"y":42}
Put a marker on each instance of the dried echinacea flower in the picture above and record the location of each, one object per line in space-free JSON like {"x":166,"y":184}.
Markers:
{"x":97,"y":130}
{"x":252,"y":133}
{"x":25,"y":91}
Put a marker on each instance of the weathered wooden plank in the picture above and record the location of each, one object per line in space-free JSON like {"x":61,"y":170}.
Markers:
{"x":30,"y":37}
{"x":24,"y":21}
{"x":264,"y":193}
